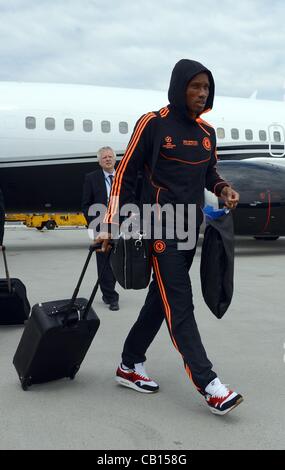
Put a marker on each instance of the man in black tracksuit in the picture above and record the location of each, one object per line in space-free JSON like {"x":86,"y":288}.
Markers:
{"x":176,"y":152}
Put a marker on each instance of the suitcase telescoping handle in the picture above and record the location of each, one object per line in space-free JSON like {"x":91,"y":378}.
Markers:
{"x":3,"y":249}
{"x":94,"y":291}
{"x":92,"y":248}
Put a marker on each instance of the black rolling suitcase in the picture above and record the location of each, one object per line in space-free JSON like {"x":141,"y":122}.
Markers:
{"x":14,"y":305}
{"x":57,"y":337}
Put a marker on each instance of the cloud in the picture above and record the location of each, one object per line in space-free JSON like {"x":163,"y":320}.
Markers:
{"x":136,"y":44}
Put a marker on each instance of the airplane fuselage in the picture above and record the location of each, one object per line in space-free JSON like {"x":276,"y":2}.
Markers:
{"x":40,"y":122}
{"x":50,"y":134}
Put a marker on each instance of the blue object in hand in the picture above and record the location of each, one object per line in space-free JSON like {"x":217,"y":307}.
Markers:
{"x":213,"y":214}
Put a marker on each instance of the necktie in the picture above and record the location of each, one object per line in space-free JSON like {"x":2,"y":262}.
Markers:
{"x":111,"y":180}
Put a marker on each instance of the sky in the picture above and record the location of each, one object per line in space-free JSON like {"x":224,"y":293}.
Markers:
{"x":134,"y":43}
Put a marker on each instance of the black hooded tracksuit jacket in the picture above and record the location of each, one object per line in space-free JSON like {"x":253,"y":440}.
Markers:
{"x":177,"y":157}
{"x":175,"y":154}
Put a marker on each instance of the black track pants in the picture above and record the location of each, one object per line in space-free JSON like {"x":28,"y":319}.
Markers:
{"x":170,"y":297}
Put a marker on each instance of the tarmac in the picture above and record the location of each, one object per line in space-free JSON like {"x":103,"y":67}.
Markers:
{"x":93,"y":412}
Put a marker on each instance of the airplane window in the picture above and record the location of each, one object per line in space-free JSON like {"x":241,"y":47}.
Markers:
{"x":277,"y":136}
{"x":69,"y":124}
{"x":87,"y":125}
{"x":248,"y":134}
{"x":105,"y":126}
{"x":221,"y":133}
{"x":123,"y":127}
{"x":262,"y":135}
{"x":235,"y":133}
{"x":30,"y":122}
{"x":50,"y":123}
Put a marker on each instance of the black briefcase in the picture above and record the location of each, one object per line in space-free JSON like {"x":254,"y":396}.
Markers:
{"x":14,"y":304}
{"x":57,"y":337}
{"x":130,"y":262}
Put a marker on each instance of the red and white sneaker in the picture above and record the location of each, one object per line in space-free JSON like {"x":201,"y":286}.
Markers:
{"x":136,"y":378}
{"x":220,"y":398}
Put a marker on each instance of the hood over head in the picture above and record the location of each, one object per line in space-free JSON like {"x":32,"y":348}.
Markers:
{"x":181,"y":75}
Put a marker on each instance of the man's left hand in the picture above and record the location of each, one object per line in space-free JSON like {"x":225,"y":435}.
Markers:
{"x":230,"y":197}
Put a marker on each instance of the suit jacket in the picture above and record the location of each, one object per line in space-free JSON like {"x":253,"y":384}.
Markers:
{"x":2,"y":217}
{"x":94,"y":192}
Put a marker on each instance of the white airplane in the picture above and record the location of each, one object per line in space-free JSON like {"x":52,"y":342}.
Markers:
{"x":50,"y":134}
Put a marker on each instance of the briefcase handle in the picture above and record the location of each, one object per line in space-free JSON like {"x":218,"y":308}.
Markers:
{"x":3,"y":249}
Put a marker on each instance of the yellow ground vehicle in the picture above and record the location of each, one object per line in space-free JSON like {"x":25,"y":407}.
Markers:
{"x":48,"y":221}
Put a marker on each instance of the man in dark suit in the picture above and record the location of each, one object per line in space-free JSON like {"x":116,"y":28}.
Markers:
{"x":96,"y":190}
{"x":2,"y":218}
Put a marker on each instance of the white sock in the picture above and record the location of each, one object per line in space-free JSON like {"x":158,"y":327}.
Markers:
{"x":213,"y":386}
{"x":125,"y":367}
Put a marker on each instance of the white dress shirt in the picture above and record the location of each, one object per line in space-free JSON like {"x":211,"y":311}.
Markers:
{"x":108,"y":182}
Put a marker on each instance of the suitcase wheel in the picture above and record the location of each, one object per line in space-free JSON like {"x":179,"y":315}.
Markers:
{"x":26,"y":383}
{"x":74,"y":372}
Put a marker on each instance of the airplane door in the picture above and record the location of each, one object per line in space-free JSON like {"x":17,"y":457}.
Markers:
{"x":276,"y":134}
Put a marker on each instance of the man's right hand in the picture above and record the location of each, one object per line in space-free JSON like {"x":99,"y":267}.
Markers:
{"x":103,"y":238}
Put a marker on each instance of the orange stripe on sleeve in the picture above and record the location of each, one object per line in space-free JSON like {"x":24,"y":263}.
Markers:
{"x":202,"y":121}
{"x":114,"y":197}
{"x":126,"y":159}
{"x":164,"y":111}
{"x":110,"y":211}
